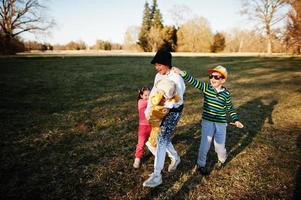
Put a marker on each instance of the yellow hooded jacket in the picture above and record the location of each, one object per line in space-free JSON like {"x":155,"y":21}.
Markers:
{"x":166,"y":93}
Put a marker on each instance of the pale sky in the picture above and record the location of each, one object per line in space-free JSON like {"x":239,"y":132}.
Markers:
{"x":89,"y":20}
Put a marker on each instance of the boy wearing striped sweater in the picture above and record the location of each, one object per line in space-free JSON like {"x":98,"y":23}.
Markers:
{"x":217,"y":104}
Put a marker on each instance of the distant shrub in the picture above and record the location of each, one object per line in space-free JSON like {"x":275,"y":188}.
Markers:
{"x":10,"y":46}
{"x":218,"y":43}
{"x":33,"y":45}
{"x":106,"y":45}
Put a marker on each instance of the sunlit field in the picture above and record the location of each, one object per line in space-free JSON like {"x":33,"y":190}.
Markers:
{"x":69,"y":130}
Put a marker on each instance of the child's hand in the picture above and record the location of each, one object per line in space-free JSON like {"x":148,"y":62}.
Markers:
{"x":176,"y":70}
{"x":238,"y":124}
{"x":147,"y":116}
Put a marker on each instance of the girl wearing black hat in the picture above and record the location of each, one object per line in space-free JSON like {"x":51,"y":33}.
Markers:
{"x":162,"y":62}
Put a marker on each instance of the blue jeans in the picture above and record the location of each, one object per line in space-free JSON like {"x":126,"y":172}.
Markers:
{"x":218,"y":132}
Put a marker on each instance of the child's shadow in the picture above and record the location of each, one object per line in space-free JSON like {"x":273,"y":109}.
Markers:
{"x":253,"y":115}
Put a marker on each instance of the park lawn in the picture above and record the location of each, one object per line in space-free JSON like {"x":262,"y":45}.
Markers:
{"x":69,"y":129}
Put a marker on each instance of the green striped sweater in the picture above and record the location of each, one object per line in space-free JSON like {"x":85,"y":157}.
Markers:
{"x":216,"y":104}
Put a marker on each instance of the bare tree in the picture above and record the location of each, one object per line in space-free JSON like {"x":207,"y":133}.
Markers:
{"x":180,"y":14}
{"x":238,"y":40}
{"x":195,"y":35}
{"x":131,"y":37}
{"x":267,"y":13}
{"x":19,"y":16}
{"x":293,"y":32}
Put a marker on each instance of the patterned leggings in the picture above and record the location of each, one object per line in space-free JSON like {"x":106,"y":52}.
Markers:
{"x":164,"y":144}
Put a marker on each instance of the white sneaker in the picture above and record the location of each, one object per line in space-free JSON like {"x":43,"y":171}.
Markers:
{"x":174,"y":164}
{"x":151,"y":148}
{"x":136,"y":163}
{"x":153,"y":181}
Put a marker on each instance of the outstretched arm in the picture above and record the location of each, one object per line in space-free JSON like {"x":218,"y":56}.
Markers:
{"x":190,"y":79}
{"x":233,"y":114}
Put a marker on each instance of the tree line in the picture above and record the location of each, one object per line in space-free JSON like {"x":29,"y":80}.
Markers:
{"x":195,"y":34}
{"x":190,"y":35}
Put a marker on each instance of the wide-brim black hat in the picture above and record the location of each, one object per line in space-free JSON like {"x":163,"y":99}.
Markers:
{"x":162,"y":57}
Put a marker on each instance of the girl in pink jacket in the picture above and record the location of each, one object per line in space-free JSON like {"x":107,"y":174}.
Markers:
{"x":144,"y":128}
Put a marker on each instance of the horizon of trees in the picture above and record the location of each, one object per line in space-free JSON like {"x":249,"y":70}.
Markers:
{"x":192,"y":34}
{"x":195,"y":34}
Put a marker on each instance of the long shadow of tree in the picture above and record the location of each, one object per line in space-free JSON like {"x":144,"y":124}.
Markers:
{"x":253,"y":114}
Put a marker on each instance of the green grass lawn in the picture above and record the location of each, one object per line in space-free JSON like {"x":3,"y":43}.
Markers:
{"x":69,"y":130}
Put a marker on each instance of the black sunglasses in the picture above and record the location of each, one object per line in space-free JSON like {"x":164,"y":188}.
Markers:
{"x":216,"y":77}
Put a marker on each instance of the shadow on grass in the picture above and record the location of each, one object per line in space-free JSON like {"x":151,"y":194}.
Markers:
{"x":253,"y":114}
{"x":95,"y":165}
{"x":44,"y":156}
{"x":297,"y":190}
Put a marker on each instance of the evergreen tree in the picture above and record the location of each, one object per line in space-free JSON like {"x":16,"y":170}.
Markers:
{"x":218,"y":43}
{"x":157,"y":20}
{"x":154,"y":8}
{"x":155,"y":34}
{"x":169,"y":35}
{"x":145,"y":28}
{"x":150,"y":36}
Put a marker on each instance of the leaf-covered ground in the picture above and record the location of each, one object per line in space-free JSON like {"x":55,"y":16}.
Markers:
{"x":69,"y":130}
